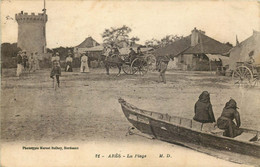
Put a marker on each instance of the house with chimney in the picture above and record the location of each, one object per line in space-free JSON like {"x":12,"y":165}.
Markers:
{"x":197,"y":51}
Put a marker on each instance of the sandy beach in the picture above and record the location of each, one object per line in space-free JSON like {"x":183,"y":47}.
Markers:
{"x":85,"y":107}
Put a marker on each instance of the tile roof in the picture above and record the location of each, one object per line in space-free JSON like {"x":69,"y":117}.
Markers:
{"x":175,"y":48}
{"x":87,"y":43}
{"x":206,"y":45}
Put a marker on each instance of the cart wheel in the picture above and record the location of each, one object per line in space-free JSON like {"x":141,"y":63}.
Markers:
{"x":242,"y":76}
{"x":127,"y":69}
{"x":150,"y":62}
{"x":139,"y":66}
{"x":256,"y":80}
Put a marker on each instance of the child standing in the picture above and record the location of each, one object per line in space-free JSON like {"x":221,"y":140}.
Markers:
{"x":56,"y":70}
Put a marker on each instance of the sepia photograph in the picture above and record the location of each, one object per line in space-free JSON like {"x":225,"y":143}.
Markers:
{"x":130,"y":83}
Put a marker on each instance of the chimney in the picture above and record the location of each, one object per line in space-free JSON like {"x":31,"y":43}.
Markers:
{"x":194,"y":37}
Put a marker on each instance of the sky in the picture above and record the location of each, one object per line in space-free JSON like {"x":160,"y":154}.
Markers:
{"x":71,"y":21}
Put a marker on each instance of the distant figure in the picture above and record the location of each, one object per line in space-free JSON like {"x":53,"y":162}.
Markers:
{"x":55,"y":58}
{"x":68,"y":60}
{"x":84,"y":63}
{"x":25,"y":59}
{"x":225,"y":121}
{"x":56,"y":72}
{"x":139,"y":52}
{"x":132,"y":55}
{"x":162,"y":63}
{"x":19,"y":64}
{"x":203,"y":109}
{"x":250,"y":59}
{"x":31,"y":63}
{"x":36,"y":61}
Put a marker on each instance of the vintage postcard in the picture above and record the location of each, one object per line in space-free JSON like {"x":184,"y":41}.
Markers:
{"x":130,"y":83}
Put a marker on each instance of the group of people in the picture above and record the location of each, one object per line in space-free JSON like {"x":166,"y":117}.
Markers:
{"x":27,"y":63}
{"x":204,"y":114}
{"x":56,"y":67}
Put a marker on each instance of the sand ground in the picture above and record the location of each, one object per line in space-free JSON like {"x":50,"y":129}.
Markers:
{"x":85,"y":107}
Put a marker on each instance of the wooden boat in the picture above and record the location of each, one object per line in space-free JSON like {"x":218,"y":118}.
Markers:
{"x":208,"y":139}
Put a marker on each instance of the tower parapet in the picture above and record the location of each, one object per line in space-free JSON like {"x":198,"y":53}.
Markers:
{"x":24,"y":17}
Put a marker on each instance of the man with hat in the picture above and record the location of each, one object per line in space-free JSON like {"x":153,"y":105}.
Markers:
{"x":55,"y":58}
{"x":132,"y":55}
{"x":68,"y":61}
{"x":162,"y":63}
{"x":56,"y":70}
{"x":225,"y":121}
{"x":25,"y":59}
{"x":19,"y":64}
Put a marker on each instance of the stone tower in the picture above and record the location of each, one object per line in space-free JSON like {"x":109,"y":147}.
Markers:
{"x":32,"y":32}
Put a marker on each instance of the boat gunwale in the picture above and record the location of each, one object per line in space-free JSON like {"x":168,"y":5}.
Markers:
{"x":125,"y":104}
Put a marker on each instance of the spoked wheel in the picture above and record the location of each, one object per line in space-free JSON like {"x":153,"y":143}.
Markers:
{"x":139,"y":66}
{"x":150,"y":62}
{"x":127,"y":69}
{"x":242,"y":76}
{"x":256,"y":80}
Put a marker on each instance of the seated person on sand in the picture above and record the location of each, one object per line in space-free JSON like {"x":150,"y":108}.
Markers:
{"x":225,"y":121}
{"x":203,"y":109}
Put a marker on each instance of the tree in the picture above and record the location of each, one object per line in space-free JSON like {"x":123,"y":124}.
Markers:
{"x":115,"y":37}
{"x":168,"y":39}
{"x":153,"y":43}
{"x":133,"y":40}
{"x":8,"y":55}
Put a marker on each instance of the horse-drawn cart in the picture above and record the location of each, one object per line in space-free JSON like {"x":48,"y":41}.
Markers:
{"x":246,"y":74}
{"x":140,"y":65}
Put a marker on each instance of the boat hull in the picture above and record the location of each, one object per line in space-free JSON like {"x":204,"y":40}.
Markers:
{"x":165,"y":130}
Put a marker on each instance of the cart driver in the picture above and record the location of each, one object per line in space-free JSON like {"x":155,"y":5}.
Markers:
{"x":132,"y":55}
{"x":139,"y":52}
{"x":251,"y":60}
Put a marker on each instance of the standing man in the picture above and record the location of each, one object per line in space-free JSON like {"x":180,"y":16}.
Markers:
{"x":162,"y":63}
{"x":36,"y":61}
{"x":84,"y":63}
{"x":25,"y":59}
{"x":19,"y":64}
{"x":31,"y":63}
{"x":69,"y":63}
{"x":55,"y":58}
{"x":56,"y":70}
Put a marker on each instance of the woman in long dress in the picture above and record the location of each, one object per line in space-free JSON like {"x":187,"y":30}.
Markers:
{"x":84,"y":64}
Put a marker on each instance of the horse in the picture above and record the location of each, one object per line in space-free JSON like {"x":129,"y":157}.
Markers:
{"x":110,"y":61}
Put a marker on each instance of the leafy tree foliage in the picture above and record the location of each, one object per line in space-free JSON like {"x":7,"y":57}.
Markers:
{"x":117,"y":36}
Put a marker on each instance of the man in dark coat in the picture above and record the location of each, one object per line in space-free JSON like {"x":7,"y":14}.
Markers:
{"x":161,"y":65}
{"x":132,"y":55}
{"x":203,"y":109}
{"x":225,"y":121}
